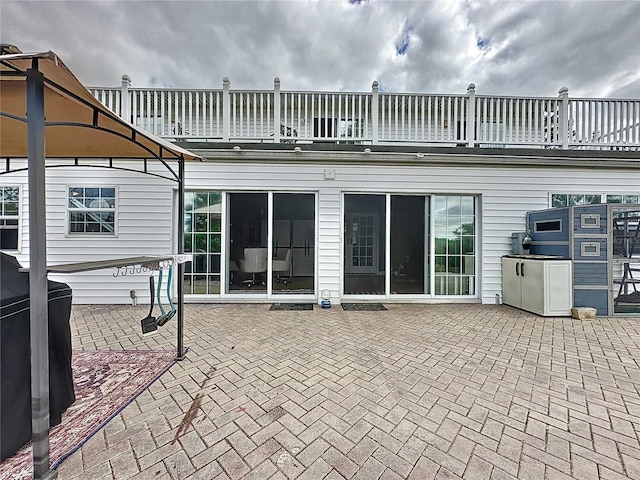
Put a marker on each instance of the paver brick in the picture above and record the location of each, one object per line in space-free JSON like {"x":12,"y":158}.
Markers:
{"x":425,"y":469}
{"x":371,"y":470}
{"x":313,"y":451}
{"x":479,"y":391}
{"x":478,"y":469}
{"x":393,"y":461}
{"x":178,"y":465}
{"x":340,"y":462}
{"x":584,"y":468}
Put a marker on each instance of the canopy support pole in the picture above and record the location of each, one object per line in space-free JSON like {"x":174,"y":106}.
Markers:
{"x":38,"y":292}
{"x":180,"y":353}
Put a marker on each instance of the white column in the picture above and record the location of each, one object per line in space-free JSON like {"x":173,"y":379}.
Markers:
{"x":276,"y":110}
{"x":471,"y":115}
{"x":563,"y":122}
{"x":374,"y":113}
{"x":226,"y":110}
{"x":124,"y":99}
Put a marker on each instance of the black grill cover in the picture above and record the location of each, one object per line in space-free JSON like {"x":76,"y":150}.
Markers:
{"x":15,"y":356}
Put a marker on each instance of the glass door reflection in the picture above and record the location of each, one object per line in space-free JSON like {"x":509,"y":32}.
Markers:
{"x":293,"y":248}
{"x":409,"y":245}
{"x":247,"y":242}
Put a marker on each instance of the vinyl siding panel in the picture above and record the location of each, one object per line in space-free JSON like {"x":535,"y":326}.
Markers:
{"x":144,"y":227}
{"x":505,"y":197}
{"x":145,"y":203}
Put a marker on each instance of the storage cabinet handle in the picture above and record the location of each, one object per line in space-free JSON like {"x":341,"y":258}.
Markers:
{"x":522,"y":269}
{"x":517,"y":268}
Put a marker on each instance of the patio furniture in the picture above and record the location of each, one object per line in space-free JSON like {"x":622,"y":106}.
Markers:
{"x":15,"y":361}
{"x":254,"y":262}
{"x":282,"y":268}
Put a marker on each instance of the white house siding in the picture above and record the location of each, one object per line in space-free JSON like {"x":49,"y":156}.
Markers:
{"x":146,"y":206}
{"x":144,"y":225}
{"x":505,"y":195}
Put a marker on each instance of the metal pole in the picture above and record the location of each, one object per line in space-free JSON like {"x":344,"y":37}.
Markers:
{"x":38,"y":315}
{"x":180,"y":354}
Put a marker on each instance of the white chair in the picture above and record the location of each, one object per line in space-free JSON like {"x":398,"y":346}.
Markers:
{"x":282,"y":268}
{"x":254,"y":262}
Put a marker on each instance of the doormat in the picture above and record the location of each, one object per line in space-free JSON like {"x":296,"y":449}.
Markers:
{"x":364,"y":307}
{"x":105,"y":382}
{"x":291,"y":306}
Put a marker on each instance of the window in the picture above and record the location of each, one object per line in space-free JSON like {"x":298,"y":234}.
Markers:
{"x":203,"y":238}
{"x":9,"y":217}
{"x":344,"y":128}
{"x":548,"y":226}
{"x":623,"y":198}
{"x":455,"y":230}
{"x":92,"y":210}
{"x":567,"y":200}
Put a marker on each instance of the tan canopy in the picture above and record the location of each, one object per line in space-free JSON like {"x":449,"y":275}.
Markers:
{"x":46,"y":114}
{"x":77,"y":125}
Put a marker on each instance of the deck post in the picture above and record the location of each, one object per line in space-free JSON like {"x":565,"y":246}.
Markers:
{"x":38,"y":292}
{"x":276,"y":110}
{"x":374,"y":113}
{"x":124,"y":99}
{"x":563,"y":122}
{"x":226,"y":109}
{"x":470,"y":134}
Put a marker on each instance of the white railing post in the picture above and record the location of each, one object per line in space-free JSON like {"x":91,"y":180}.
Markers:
{"x":470,"y":134}
{"x":124,"y":99}
{"x":276,"y":110}
{"x":374,"y":113}
{"x":226,"y":110}
{"x":563,"y":122}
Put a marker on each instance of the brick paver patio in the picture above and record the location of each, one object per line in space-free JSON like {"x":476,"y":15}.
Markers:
{"x":415,"y":392}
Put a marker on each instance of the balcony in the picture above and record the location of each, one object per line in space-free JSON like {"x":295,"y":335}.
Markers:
{"x":379,"y":118}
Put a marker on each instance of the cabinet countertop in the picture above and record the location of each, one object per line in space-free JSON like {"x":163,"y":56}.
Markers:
{"x":532,"y":256}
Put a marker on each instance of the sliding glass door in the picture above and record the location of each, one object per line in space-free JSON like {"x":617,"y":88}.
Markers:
{"x":202,"y":238}
{"x":293,"y":245}
{"x":364,"y":252}
{"x":454,"y":220}
{"x":409,"y":244}
{"x":429,"y":248}
{"x":247,"y":249}
{"x":287,"y":265}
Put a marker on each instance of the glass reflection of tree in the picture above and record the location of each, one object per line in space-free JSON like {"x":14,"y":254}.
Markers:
{"x":459,"y":242}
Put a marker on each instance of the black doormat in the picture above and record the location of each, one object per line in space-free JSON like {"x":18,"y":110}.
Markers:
{"x":364,"y":307}
{"x":291,"y":306}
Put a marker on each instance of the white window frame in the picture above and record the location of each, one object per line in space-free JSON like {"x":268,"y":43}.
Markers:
{"x":603,"y":197}
{"x":12,"y":217}
{"x":70,"y":210}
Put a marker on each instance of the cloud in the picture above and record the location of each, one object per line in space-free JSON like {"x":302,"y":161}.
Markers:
{"x":504,"y":47}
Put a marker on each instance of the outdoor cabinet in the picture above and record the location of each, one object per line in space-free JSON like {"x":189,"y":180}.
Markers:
{"x":538,"y":283}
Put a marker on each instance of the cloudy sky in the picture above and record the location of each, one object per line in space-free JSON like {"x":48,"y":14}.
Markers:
{"x":504,"y":47}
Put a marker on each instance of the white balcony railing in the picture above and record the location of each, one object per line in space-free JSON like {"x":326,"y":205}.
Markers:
{"x":378,"y":117}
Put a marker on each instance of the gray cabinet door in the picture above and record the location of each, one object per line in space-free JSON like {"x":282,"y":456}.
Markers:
{"x":511,"y":289}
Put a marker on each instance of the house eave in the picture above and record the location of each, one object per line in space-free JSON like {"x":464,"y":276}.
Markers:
{"x":368,"y":155}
